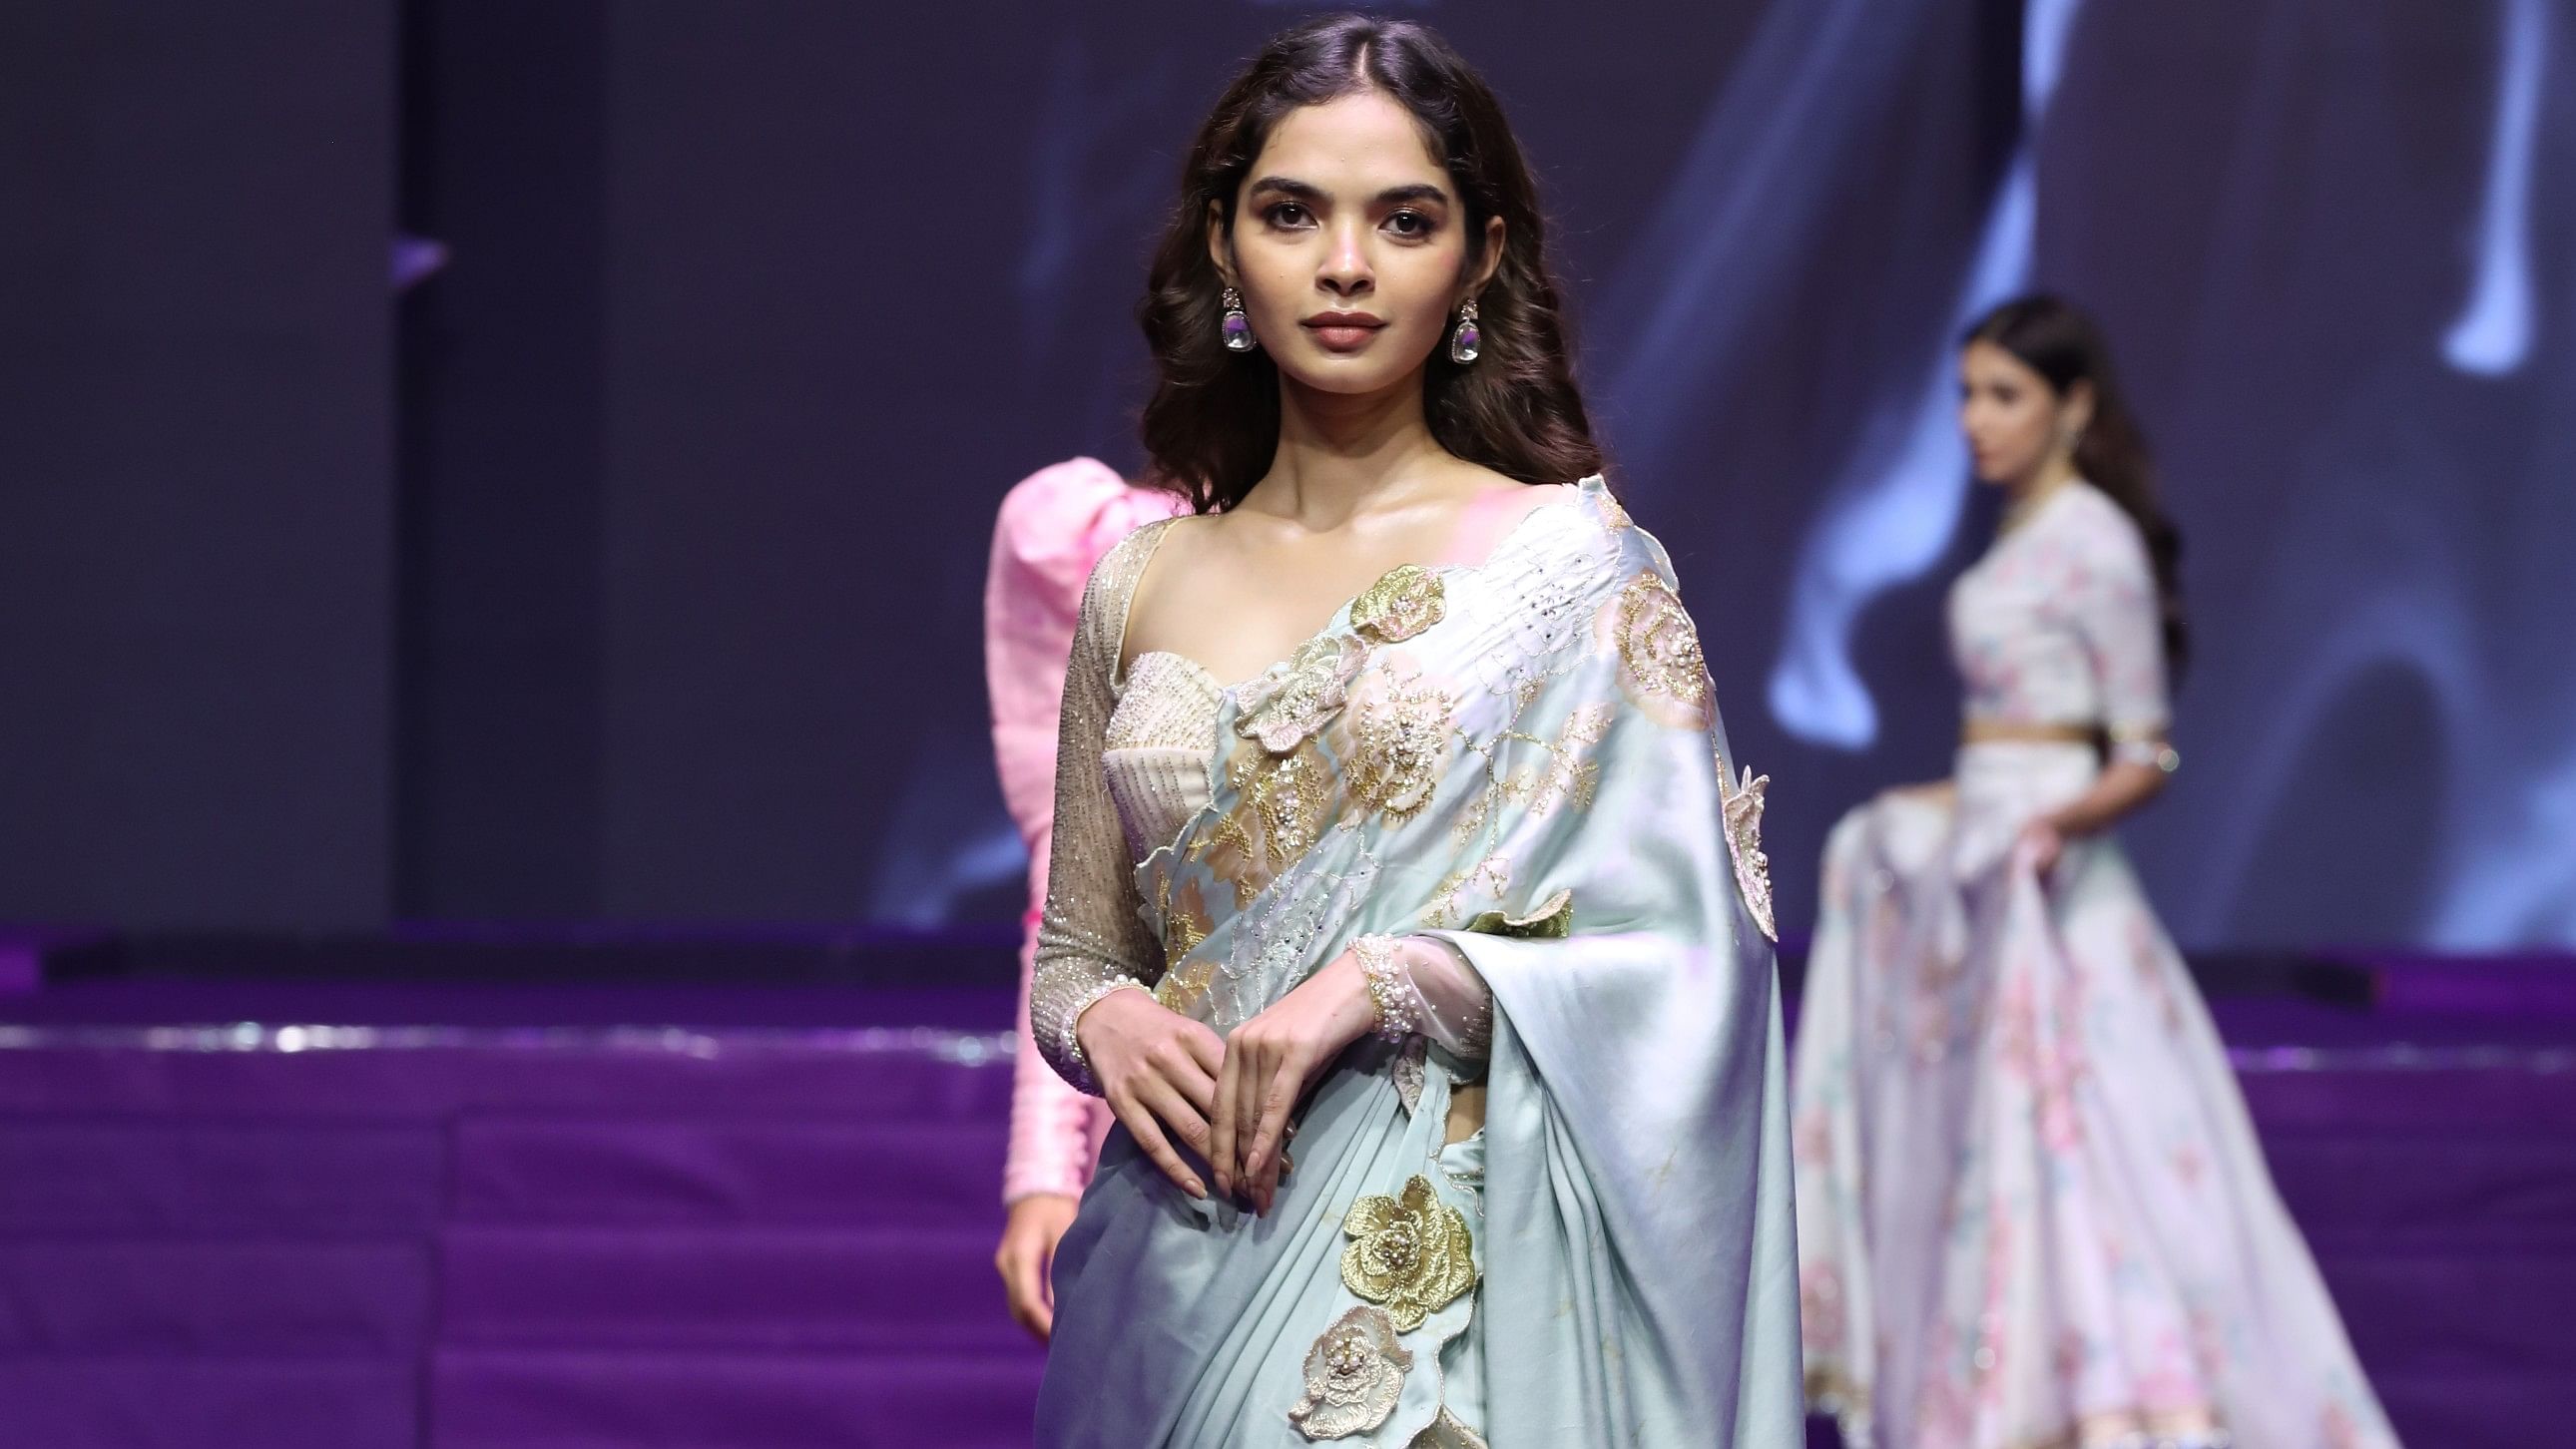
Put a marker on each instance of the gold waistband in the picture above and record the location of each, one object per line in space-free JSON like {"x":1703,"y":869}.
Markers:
{"x":2017,"y":732}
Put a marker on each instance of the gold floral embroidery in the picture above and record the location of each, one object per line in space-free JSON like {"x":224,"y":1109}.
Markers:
{"x":1567,"y":778}
{"x":1399,"y":743}
{"x":1613,"y":516}
{"x":1489,"y":877}
{"x":1553,"y":920}
{"x":1284,"y":708}
{"x":1185,"y":925}
{"x":1185,"y":922}
{"x":1743,"y":809}
{"x":1402,"y":604}
{"x":1182,"y":990}
{"x":1279,"y":813}
{"x":1660,"y":664}
{"x":1411,"y":1254}
{"x":1354,"y":1375}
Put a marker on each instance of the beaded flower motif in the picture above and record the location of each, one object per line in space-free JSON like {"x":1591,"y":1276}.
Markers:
{"x":1354,"y":1375}
{"x":1405,"y":602}
{"x":1411,"y":1254}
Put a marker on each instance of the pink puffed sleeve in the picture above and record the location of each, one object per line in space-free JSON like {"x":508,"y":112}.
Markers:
{"x":1054,"y":526}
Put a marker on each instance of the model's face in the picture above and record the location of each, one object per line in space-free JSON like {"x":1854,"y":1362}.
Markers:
{"x":2014,"y":421}
{"x":1350,"y":246}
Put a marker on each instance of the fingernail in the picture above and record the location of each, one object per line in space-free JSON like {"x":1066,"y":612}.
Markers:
{"x":1197,"y":1189}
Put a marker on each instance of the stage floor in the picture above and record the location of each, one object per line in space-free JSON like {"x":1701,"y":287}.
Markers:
{"x":495,"y":1216}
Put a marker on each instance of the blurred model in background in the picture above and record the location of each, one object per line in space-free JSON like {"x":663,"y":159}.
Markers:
{"x":2031,"y":1207}
{"x":1053,"y":527}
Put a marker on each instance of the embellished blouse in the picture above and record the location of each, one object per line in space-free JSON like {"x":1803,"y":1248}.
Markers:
{"x":2058,"y":625}
{"x":1137,"y":750}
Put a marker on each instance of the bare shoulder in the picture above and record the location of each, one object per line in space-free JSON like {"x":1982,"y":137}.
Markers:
{"x":1491,"y":507}
{"x":1185,"y":554}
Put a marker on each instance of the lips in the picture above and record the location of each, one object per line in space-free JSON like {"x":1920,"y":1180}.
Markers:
{"x":1342,"y":331}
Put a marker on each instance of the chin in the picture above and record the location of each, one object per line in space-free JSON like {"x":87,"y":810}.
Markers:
{"x":1346,"y":376}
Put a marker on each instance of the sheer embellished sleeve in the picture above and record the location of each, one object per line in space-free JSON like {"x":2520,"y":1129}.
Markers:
{"x":2116,"y":612}
{"x":1430,"y":989}
{"x":1092,"y":936}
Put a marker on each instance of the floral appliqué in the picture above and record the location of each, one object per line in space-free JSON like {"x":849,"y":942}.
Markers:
{"x":1743,"y":809}
{"x":1411,"y":1254}
{"x":1550,"y":920}
{"x":1354,"y":1375}
{"x":1284,"y":708}
{"x":1405,"y":602}
{"x":1399,"y":743}
{"x":1660,"y":664}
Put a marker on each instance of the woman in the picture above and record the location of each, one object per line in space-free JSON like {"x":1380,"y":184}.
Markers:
{"x":1392,"y":813}
{"x":2031,"y":1210}
{"x":1054,"y":525}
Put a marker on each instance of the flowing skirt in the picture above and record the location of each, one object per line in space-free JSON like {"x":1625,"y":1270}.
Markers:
{"x":2031,"y":1209}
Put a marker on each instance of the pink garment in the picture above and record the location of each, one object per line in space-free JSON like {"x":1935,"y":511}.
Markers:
{"x":1053,"y":527}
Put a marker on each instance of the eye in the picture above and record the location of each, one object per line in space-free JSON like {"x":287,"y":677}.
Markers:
{"x":1409,"y":224}
{"x":1285,"y":213}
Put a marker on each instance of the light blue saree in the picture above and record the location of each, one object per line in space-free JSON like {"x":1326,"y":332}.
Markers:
{"x":1524,"y":758}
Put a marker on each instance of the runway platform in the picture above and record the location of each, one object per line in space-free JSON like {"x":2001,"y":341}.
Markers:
{"x":290,"y":1210}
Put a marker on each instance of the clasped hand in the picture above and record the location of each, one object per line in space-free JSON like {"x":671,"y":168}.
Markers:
{"x":1167,"y":1076}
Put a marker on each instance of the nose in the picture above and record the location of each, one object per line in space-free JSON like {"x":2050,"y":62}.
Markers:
{"x":1346,"y":271}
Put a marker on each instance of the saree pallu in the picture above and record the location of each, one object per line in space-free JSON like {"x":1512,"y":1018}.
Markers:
{"x":1524,"y":758}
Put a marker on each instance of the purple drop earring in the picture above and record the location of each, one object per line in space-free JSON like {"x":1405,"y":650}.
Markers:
{"x":1467,"y":343}
{"x":1236,"y":328}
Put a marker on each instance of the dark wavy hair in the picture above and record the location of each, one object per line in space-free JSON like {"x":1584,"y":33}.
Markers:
{"x":1211,"y":427}
{"x":2055,"y":339}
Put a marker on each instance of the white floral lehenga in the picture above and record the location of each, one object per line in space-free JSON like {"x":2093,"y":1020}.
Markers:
{"x":2032,"y":1212}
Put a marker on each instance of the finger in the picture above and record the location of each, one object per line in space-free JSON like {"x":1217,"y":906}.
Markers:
{"x":1205,"y":1047}
{"x":1042,"y":1293}
{"x":1025,"y":1310}
{"x":1279,"y":1096}
{"x":1195,"y":1083}
{"x":1247,"y":1104}
{"x":1180,"y":1120}
{"x":1221,"y":1121}
{"x":1140,"y":1124}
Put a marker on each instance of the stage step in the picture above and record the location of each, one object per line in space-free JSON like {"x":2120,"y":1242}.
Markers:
{"x":227,"y":1401}
{"x":530,"y":1169}
{"x":221,"y":1297}
{"x":519,"y":1399}
{"x":765,"y":1237}
{"x":784,"y":1290}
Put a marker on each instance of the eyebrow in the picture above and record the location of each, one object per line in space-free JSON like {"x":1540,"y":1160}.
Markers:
{"x":1308,"y":191}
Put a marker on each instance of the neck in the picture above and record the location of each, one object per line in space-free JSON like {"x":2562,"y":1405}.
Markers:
{"x":1339,"y":455}
{"x":2023,"y":498}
